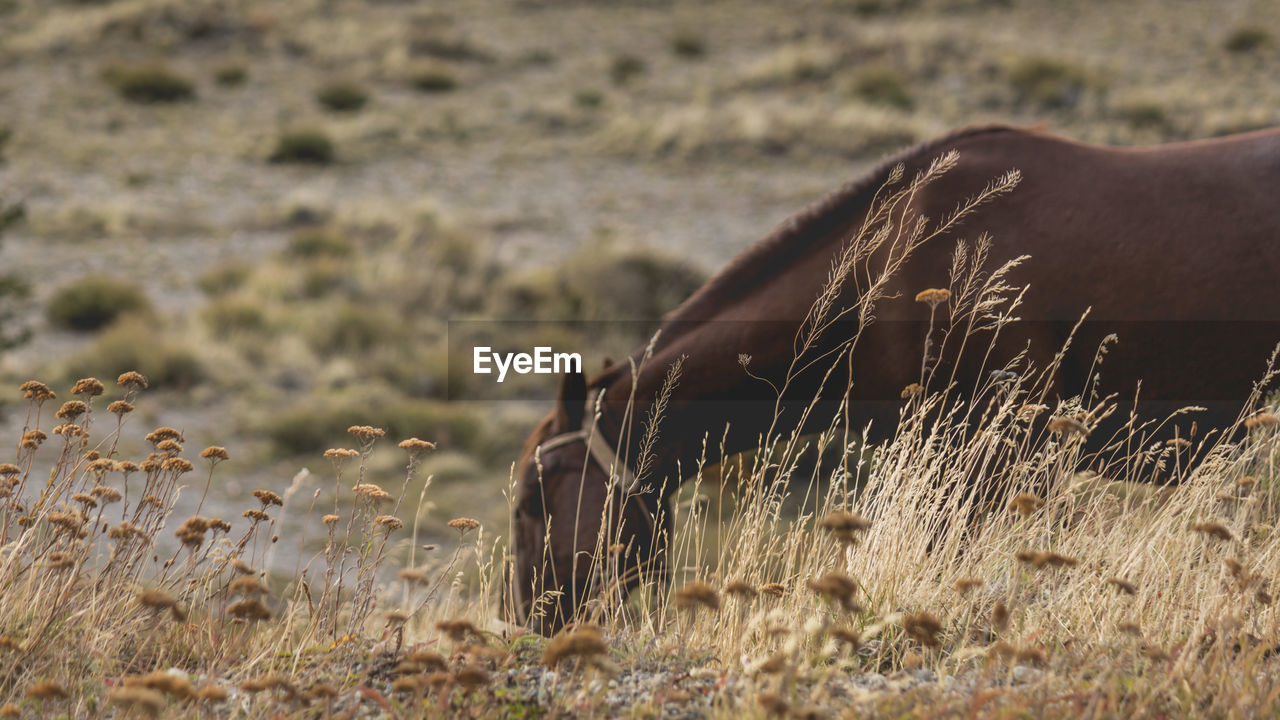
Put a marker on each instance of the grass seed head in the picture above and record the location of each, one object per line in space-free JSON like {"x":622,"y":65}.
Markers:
{"x":924,"y":627}
{"x":697,"y":594}
{"x":581,"y":642}
{"x":1215,"y":530}
{"x":1262,"y":420}
{"x":836,"y":587}
{"x":1122,"y":585}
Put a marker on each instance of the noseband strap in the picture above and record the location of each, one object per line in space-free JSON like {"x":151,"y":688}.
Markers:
{"x":598,"y":450}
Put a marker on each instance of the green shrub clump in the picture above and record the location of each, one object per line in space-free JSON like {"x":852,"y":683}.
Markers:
{"x":433,"y":79}
{"x":884,"y":86}
{"x":342,"y":96}
{"x":150,"y":84}
{"x":1048,"y":82}
{"x":93,"y":302}
{"x":306,"y":146}
{"x":231,"y":74}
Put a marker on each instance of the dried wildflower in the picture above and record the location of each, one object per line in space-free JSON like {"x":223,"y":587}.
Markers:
{"x":268,"y":498}
{"x":100,"y":465}
{"x":1000,"y":617}
{"x":249,"y":610}
{"x":772,"y":704}
{"x":173,"y":684}
{"x":8,"y":469}
{"x":163,"y":433}
{"x":120,"y":407}
{"x":247,"y":585}
{"x":408,"y":684}
{"x":126,"y":467}
{"x":1068,"y":426}
{"x":774,"y":589}
{"x":68,"y":430}
{"x":1025,"y":504}
{"x":388,"y":522}
{"x":31,"y":439}
{"x":843,"y":525}
{"x":323,"y":691}
{"x":464,"y":524}
{"x":427,"y":659}
{"x":911,"y":391}
{"x":242,"y":567}
{"x":581,"y":642}
{"x":256,"y":515}
{"x":1262,"y":420}
{"x":472,"y":675}
{"x":1030,"y":656}
{"x":697,"y":593}
{"x":741,"y":588}
{"x":966,"y":584}
{"x":933,"y":297}
{"x":1178,"y":443}
{"x":1214,"y":530}
{"x":137,"y":700}
{"x":1123,"y":586}
{"x":848,"y":637}
{"x":1130,"y":628}
{"x":212,"y":693}
{"x":169,"y":447}
{"x":47,"y":690}
{"x":397,"y":617}
{"x":88,"y":386}
{"x":457,"y":629}
{"x":340,"y":454}
{"x":124,"y":531}
{"x":924,"y":627}
{"x":836,"y":587}
{"x":132,"y":380}
{"x":1262,"y":596}
{"x":330,"y":519}
{"x":1046,"y":558}
{"x":10,"y":710}
{"x":414,"y":446}
{"x":366,"y":433}
{"x":60,"y":561}
{"x":36,"y":390}
{"x":178,"y":465}
{"x":215,"y":453}
{"x":219,"y":525}
{"x":71,"y":410}
{"x":85,"y":499}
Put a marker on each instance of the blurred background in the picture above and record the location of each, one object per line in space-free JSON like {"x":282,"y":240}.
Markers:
{"x":273,"y":208}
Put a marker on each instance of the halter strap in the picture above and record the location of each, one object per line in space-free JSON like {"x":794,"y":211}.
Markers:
{"x":598,"y":449}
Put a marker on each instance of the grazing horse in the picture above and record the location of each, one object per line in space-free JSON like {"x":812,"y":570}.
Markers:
{"x":1174,"y":248}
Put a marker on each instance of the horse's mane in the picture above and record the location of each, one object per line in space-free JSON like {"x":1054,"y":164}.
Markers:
{"x":795,"y":235}
{"x":799,"y":231}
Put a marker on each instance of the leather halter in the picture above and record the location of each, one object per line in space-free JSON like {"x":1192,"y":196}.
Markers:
{"x":598,"y":449}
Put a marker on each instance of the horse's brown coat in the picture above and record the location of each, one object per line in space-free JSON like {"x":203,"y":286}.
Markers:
{"x":1176,"y":248}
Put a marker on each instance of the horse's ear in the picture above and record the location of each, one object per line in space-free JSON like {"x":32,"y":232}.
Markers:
{"x":572,"y":403}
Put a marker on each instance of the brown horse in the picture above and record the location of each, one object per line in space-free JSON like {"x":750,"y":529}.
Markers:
{"x":1174,"y":248}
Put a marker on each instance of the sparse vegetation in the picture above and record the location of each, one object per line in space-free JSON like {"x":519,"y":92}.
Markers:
{"x":434,"y":79}
{"x":231,"y":74}
{"x":307,"y":146}
{"x":149,"y":84}
{"x":883,"y":86}
{"x":93,"y":302}
{"x":1048,"y":82}
{"x":624,"y":68}
{"x":1246,"y":39}
{"x":689,"y":45}
{"x":568,"y":161}
{"x":343,"y":96}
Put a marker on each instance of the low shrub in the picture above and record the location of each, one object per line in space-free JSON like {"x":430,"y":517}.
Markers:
{"x":342,"y":96}
{"x":318,"y":242}
{"x":309,"y":146}
{"x":93,"y":302}
{"x":688,"y":45}
{"x":1246,"y":39}
{"x":149,"y":84}
{"x":624,"y":68}
{"x":135,"y":344}
{"x":231,"y":74}
{"x":1048,"y":82}
{"x":883,"y":86}
{"x":433,"y":79}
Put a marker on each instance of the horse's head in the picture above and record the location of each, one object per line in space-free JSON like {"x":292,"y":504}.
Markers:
{"x":571,"y":517}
